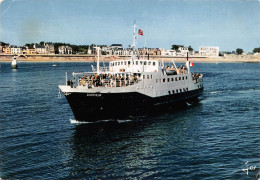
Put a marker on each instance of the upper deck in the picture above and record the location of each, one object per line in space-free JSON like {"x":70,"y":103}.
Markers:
{"x":134,"y":66}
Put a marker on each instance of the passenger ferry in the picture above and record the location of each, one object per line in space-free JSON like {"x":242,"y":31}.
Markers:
{"x":130,"y":87}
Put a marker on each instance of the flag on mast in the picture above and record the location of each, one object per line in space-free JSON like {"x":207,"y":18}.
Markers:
{"x":140,"y":32}
{"x":191,"y":64}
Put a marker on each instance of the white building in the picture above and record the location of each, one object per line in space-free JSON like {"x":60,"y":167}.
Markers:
{"x":209,"y":51}
{"x":40,"y":49}
{"x":16,"y":50}
{"x":166,"y":52}
{"x":65,"y":50}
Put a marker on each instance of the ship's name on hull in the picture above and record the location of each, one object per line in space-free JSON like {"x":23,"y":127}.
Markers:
{"x":96,"y":95}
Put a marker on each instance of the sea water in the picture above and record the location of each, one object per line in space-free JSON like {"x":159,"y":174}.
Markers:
{"x":217,"y":138}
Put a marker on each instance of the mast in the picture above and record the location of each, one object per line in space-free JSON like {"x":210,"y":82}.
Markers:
{"x":134,"y":36}
{"x":188,"y":63}
{"x":134,"y":41}
{"x":98,"y":48}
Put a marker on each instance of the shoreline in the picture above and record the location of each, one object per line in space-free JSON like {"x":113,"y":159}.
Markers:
{"x":92,"y":58}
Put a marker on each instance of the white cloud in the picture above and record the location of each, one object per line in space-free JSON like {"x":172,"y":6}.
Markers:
{"x":1,"y":1}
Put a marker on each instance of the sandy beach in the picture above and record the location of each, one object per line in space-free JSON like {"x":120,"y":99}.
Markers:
{"x":92,"y":58}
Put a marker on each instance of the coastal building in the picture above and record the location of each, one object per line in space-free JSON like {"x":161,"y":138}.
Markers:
{"x":7,"y":49}
{"x":16,"y":50}
{"x":49,"y":48}
{"x":40,"y":49}
{"x":166,"y":52}
{"x":65,"y":50}
{"x":154,"y":51}
{"x":89,"y":50}
{"x":2,"y":46}
{"x":30,"y":50}
{"x":182,"y":51}
{"x":209,"y":51}
{"x":114,"y":49}
{"x":142,"y":51}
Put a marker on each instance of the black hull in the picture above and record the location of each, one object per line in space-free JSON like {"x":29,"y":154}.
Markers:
{"x":97,"y":106}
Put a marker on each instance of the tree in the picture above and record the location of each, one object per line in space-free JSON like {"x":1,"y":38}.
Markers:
{"x":190,"y":48}
{"x":239,"y":51}
{"x":256,"y":50}
{"x":42,"y":43}
{"x":176,"y":47}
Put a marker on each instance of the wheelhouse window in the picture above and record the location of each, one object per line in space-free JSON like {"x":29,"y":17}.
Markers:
{"x":147,"y":76}
{"x":154,"y":63}
{"x":145,"y":62}
{"x":149,"y":63}
{"x":172,"y":91}
{"x":183,"y":78}
{"x":156,"y":80}
{"x":136,"y":62}
{"x":179,"y":78}
{"x":143,"y":76}
{"x":176,"y":90}
{"x":128,"y":62}
{"x":176,"y":79}
{"x":186,"y":77}
{"x":180,"y":90}
{"x":168,"y":79}
{"x":169,"y":92}
{"x":151,"y":76}
{"x":172,"y":79}
{"x":125,"y":62}
{"x":121,"y":62}
{"x":163,"y":79}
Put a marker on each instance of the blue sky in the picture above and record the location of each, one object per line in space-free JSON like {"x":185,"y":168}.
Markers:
{"x":229,"y":24}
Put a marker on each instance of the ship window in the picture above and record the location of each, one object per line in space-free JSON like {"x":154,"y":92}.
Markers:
{"x":182,"y":78}
{"x":159,"y":63}
{"x":125,"y":62}
{"x":149,"y":63}
{"x":179,"y":78}
{"x":184,"y":89}
{"x":147,"y":76}
{"x":128,"y":62}
{"x":151,"y":76}
{"x":156,"y":80}
{"x":145,"y":62}
{"x":176,"y":79}
{"x":133,"y":63}
{"x":136,"y":62}
{"x":172,"y":91}
{"x":163,"y":79}
{"x":187,"y":89}
{"x":180,"y":90}
{"x":169,"y":92}
{"x":168,"y":80}
{"x":186,"y":77}
{"x":172,"y":79}
{"x":160,"y":80}
{"x":154,"y":63}
{"x":141,"y":62}
{"x":121,"y":62}
{"x":112,"y":64}
{"x":143,"y":76}
{"x":176,"y":90}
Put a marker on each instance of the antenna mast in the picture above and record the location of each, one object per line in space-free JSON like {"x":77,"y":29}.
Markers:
{"x":134,"y":36}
